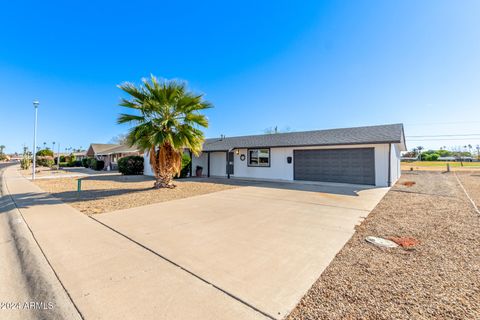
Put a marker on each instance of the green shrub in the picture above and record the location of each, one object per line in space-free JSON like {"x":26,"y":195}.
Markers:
{"x":45,"y":161}
{"x":185,"y":165}
{"x":96,"y":164}
{"x":131,"y":165}
{"x":71,"y":164}
{"x":45,"y":153}
{"x":434,"y":157}
{"x":85,"y":162}
{"x":71,"y":159}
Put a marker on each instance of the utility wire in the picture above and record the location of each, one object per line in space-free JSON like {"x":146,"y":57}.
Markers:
{"x":445,"y":135}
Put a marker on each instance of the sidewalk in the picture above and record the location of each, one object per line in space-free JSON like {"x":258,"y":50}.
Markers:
{"x":110,"y":277}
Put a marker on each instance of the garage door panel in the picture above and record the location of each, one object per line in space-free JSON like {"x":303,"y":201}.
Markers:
{"x":355,"y":165}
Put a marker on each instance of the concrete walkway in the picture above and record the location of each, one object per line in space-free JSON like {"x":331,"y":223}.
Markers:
{"x":266,"y":243}
{"x":111,"y":277}
{"x":28,"y":284}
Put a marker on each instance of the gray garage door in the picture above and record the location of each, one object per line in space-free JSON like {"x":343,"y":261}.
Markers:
{"x":335,"y":165}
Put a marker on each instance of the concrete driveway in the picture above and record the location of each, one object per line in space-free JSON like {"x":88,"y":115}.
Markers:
{"x":263,"y":244}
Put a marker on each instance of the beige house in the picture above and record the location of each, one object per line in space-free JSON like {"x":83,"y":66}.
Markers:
{"x":110,"y":153}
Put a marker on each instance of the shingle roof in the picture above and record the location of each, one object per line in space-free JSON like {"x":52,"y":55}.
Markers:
{"x":101,"y":147}
{"x":118,"y":149}
{"x":391,"y":133}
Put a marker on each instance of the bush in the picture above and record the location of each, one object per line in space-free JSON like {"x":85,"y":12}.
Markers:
{"x":85,"y":162}
{"x":3,"y":157}
{"x":71,"y":164}
{"x":72,"y":159}
{"x":131,"y":165}
{"x":45,"y":161}
{"x":45,"y":153}
{"x":185,"y":165}
{"x":96,"y":164}
{"x":25,"y":162}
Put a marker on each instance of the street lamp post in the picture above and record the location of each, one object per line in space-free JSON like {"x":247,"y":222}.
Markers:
{"x":35,"y":105}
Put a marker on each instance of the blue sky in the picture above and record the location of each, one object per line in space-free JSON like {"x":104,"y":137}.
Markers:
{"x":302,"y":65}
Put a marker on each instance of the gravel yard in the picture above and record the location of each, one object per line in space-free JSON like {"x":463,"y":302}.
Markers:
{"x":41,"y":172}
{"x":114,"y":192}
{"x":437,"y":279}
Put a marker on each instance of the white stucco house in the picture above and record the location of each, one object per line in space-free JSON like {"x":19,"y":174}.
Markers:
{"x":362,"y":155}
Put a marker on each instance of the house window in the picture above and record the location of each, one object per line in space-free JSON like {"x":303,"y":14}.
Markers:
{"x":259,"y":157}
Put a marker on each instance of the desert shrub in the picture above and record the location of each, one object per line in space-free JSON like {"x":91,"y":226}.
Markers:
{"x":96,"y":164}
{"x":45,"y":153}
{"x":3,"y":157}
{"x":45,"y":161}
{"x":131,"y":165}
{"x":185,"y":165}
{"x":25,"y":162}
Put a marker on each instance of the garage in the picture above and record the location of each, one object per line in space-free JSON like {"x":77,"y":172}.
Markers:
{"x":352,"y":165}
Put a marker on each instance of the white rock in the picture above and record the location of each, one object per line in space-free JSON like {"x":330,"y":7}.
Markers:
{"x":381,"y":242}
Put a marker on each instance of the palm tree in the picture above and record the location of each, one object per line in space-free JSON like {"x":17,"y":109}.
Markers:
{"x":1,"y":148}
{"x":420,"y":148}
{"x":167,"y":120}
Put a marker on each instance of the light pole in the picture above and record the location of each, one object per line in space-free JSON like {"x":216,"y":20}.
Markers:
{"x":35,"y":105}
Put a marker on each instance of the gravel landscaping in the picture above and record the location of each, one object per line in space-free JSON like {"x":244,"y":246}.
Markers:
{"x":41,"y":172}
{"x":436,"y":279}
{"x":114,"y":192}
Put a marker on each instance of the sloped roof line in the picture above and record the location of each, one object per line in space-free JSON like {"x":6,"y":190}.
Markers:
{"x":390,"y":133}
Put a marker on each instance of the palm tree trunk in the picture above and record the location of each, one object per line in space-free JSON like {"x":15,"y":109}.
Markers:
{"x":165,"y":164}
{"x":163,"y":181}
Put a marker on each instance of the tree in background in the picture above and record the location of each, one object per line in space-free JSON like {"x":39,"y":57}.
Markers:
{"x":273,"y":130}
{"x":167,"y":119}
{"x":44,"y":153}
{"x":120,"y":139}
{"x":2,"y":147}
{"x":419,"y":150}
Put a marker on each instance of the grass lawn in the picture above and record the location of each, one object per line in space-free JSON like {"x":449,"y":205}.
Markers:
{"x":440,"y":164}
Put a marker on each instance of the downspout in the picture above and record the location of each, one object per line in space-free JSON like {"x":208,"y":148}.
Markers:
{"x":191,"y":161}
{"x":208,"y":164}
{"x":389,"y":165}
{"x":228,"y":167}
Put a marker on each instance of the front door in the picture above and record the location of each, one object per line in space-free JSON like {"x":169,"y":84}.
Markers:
{"x":229,"y":163}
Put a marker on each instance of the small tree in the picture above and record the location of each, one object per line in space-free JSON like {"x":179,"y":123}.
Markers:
{"x":26,"y":159}
{"x":419,"y":149}
{"x":167,"y":119}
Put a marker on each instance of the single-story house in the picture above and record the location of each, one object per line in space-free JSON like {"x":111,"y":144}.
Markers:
{"x":79,"y":156}
{"x":362,"y":155}
{"x":110,"y":153}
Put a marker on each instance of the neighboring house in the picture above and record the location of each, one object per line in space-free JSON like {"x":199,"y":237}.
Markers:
{"x":79,"y":156}
{"x":362,"y":155}
{"x":110,"y":153}
{"x":409,"y":158}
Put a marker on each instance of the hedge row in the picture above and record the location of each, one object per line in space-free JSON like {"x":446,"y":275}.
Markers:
{"x":92,"y":164}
